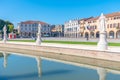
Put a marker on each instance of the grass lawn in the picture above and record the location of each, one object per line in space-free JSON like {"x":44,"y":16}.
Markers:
{"x":22,"y":40}
{"x":67,"y":42}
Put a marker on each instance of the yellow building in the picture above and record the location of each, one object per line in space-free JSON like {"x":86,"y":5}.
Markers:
{"x":89,"y":27}
{"x":57,"y":31}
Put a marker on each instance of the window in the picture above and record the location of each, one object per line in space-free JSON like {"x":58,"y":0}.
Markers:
{"x":36,"y":24}
{"x":84,"y":28}
{"x":21,"y":24}
{"x":21,"y":28}
{"x":118,"y":17}
{"x":25,"y":25}
{"x":32,"y":24}
{"x":29,"y":28}
{"x":29,"y":25}
{"x":114,"y":18}
{"x":75,"y":28}
{"x":118,"y":24}
{"x":114,"y":25}
{"x":110,"y":25}
{"x":95,"y":27}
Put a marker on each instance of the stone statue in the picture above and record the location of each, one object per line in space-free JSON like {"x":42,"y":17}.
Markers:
{"x":102,"y":23}
{"x":39,"y":28}
{"x":102,"y":44}
{"x":5,"y":35}
{"x":38,"y":41}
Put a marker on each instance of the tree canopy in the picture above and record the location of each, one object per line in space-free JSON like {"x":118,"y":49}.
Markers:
{"x":8,"y":24}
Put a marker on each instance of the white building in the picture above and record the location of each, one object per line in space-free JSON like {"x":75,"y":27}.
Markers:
{"x":30,"y":28}
{"x":72,"y":29}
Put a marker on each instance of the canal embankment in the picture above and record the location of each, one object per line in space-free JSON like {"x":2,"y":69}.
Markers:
{"x":113,"y":53}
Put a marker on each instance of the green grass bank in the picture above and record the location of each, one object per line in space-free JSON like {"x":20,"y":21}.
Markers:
{"x":66,"y":42}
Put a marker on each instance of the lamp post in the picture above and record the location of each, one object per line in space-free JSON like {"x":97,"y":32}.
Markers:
{"x":102,"y":44}
{"x":38,"y":41}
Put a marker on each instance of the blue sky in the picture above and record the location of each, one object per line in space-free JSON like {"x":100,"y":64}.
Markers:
{"x":54,"y":11}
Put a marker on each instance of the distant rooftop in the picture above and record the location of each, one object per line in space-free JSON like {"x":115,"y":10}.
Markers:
{"x":33,"y":22}
{"x":106,"y":15}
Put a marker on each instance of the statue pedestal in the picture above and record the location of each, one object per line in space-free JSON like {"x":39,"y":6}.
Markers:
{"x":4,"y":40}
{"x":102,"y":44}
{"x":38,"y":41}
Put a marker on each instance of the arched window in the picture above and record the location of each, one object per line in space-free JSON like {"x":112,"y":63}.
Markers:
{"x":97,"y":34}
{"x":91,"y":34}
{"x":111,"y":34}
{"x":118,"y":34}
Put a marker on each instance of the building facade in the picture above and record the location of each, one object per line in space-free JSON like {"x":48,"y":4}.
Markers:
{"x":57,"y":31}
{"x":72,"y":29}
{"x":91,"y":26}
{"x":29,"y":29}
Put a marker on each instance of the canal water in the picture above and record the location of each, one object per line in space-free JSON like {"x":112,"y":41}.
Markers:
{"x":14,"y":66}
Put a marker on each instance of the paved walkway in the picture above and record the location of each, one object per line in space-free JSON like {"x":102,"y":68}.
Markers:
{"x":75,"y":46}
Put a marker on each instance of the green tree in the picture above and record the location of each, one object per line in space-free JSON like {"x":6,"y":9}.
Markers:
{"x":2,"y":23}
{"x":8,"y":24}
{"x":10,"y":28}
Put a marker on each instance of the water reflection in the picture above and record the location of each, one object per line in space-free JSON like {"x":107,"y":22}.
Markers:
{"x":39,"y":66}
{"x":101,"y":71}
{"x":5,"y":55}
{"x":38,"y":60}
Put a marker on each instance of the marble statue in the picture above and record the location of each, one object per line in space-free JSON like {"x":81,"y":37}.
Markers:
{"x":102,"y":44}
{"x":38,"y":41}
{"x":5,"y":35}
{"x":102,"y":23}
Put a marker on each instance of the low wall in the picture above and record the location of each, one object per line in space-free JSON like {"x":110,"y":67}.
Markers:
{"x":106,"y":55}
